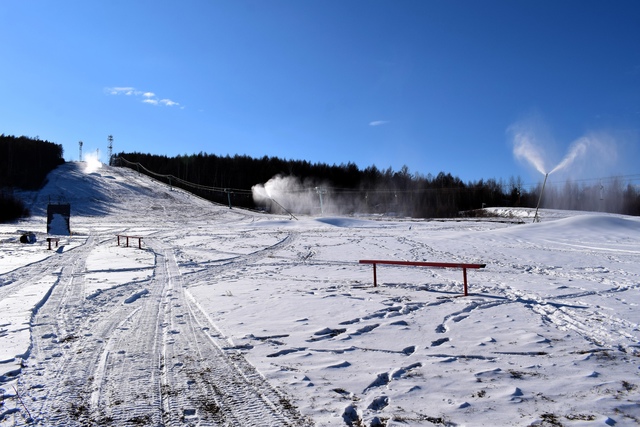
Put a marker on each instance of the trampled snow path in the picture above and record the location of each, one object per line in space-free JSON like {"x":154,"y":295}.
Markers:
{"x":205,"y":378}
{"x":227,"y":317}
{"x":129,"y":357}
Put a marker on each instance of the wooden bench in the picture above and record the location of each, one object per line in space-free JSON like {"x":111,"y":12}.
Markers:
{"x":124,"y":236}
{"x":53,"y":239}
{"x":463,"y":266}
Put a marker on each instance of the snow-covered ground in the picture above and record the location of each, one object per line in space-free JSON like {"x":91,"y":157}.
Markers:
{"x":229,"y":317}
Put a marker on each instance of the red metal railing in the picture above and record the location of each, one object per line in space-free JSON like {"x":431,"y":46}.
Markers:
{"x":132,"y":237}
{"x":463,"y":266}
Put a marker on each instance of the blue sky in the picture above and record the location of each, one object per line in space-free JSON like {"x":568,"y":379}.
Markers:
{"x":433,"y":85}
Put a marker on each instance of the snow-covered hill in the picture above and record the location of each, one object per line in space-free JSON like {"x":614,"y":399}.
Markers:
{"x":229,"y":317}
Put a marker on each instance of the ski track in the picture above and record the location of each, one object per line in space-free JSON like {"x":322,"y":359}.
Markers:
{"x":240,"y":261}
{"x":158,"y":360}
{"x":194,"y":356}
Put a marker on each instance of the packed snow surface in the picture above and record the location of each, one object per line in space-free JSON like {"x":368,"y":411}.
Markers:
{"x":231,"y":317}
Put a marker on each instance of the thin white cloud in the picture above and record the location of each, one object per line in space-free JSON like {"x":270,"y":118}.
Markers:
{"x":378,"y":122}
{"x":168,"y":102}
{"x":145,"y":97}
{"x":121,"y":91}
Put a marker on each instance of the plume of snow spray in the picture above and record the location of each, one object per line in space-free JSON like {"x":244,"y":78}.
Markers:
{"x":311,"y":197}
{"x":92,"y":162}
{"x":594,"y":153}
{"x":524,"y":148}
{"x":287,"y":192}
{"x":578,"y":149}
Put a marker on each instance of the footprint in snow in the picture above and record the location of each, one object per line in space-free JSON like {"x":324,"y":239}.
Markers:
{"x":327,"y":333}
{"x":382,"y":380}
{"x":405,"y":370}
{"x":379,"y":403}
{"x":285,"y":351}
{"x":439,"y":342}
{"x":344,"y":364}
{"x":366,"y":329}
{"x":350,"y":416}
{"x":409,"y":350}
{"x":399,"y":323}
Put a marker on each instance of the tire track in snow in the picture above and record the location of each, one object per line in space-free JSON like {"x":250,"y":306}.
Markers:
{"x":241,"y":261}
{"x":126,"y":380}
{"x":204,"y":384}
{"x":55,"y":332}
{"x":100,"y":361}
{"x":19,"y":278}
{"x":78,"y":364}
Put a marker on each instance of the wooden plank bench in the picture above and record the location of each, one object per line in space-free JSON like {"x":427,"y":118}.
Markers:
{"x":124,"y":236}
{"x":463,"y":266}
{"x":53,"y":239}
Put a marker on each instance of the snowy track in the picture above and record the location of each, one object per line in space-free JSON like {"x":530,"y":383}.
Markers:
{"x":140,"y":356}
{"x":205,"y":380}
{"x":77,"y":342}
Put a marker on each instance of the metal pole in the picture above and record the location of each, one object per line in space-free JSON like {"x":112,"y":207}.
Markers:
{"x":228,"y":197}
{"x":283,"y":208}
{"x":535,"y":217}
{"x":464,"y":274}
{"x":375,"y":279}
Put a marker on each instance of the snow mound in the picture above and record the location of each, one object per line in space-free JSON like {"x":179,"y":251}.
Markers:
{"x":578,"y":227}
{"x":597,"y":223}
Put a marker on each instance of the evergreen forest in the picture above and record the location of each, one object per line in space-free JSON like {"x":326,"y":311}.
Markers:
{"x":24,"y":164}
{"x":317,"y":188}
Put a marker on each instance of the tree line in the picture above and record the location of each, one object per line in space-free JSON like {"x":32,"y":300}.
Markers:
{"x":24,"y":164}
{"x":315,"y":187}
{"x":347,"y":189}
{"x":344,"y":188}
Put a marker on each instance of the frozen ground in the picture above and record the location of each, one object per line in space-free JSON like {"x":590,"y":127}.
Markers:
{"x":228,"y":317}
